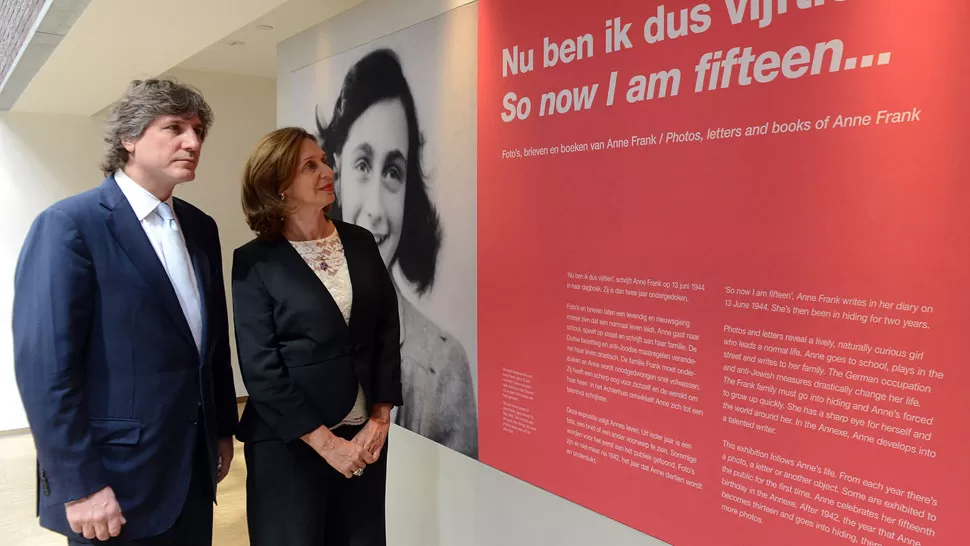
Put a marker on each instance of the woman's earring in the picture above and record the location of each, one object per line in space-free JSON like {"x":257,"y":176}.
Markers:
{"x":282,"y":197}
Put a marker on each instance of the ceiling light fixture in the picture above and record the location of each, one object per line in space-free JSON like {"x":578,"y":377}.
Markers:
{"x":264,"y":27}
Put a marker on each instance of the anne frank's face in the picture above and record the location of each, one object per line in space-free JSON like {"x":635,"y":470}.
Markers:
{"x":372,"y":174}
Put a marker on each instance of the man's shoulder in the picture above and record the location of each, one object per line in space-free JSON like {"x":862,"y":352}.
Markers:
{"x":78,"y":205}
{"x":186,"y":209}
{"x":71,"y":218}
{"x":72,"y":212}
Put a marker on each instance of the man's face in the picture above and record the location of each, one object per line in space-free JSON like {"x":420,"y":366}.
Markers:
{"x":168,"y":152}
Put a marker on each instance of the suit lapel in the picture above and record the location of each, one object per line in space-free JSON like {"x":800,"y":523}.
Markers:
{"x":129,"y":234}
{"x":199,"y":264}
{"x":354,"y":268}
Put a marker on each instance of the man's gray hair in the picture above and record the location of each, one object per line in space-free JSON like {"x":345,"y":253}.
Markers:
{"x":142,"y":103}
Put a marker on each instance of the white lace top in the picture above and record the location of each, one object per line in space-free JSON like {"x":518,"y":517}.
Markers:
{"x":326,"y":258}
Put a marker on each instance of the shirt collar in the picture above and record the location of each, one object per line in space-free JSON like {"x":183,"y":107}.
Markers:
{"x":141,"y":200}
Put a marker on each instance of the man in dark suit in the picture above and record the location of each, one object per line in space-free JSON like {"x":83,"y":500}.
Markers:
{"x":121,"y":338}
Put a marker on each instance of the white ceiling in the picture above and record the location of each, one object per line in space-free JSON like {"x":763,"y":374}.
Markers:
{"x":255,"y":51}
{"x":115,"y":41}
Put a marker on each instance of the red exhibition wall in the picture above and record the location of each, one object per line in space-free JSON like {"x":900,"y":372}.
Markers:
{"x":724,"y":264}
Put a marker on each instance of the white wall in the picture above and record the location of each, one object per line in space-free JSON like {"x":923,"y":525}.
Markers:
{"x":44,"y":158}
{"x":437,"y":497}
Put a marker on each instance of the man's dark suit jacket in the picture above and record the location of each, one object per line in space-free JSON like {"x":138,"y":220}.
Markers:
{"x":300,"y":360}
{"x":110,"y":376}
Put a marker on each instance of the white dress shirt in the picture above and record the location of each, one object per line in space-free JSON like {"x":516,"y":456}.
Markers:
{"x":143,"y":203}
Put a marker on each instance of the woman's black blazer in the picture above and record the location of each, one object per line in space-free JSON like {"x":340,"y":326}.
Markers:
{"x":300,"y":361}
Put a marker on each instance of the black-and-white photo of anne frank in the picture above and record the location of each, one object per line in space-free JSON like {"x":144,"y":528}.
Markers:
{"x":384,"y":142}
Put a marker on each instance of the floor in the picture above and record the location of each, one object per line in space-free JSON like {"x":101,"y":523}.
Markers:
{"x":18,"y":524}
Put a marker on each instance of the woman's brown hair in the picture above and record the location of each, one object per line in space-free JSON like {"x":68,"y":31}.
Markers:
{"x":268,"y":173}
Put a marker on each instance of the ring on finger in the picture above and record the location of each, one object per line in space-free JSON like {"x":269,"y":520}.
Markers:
{"x":359,"y":472}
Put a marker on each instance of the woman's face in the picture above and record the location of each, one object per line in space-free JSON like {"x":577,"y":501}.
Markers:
{"x":372,"y":174}
{"x":312,"y":185}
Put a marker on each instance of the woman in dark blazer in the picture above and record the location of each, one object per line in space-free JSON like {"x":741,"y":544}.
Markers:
{"x":375,"y":143}
{"x":317,"y":336}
